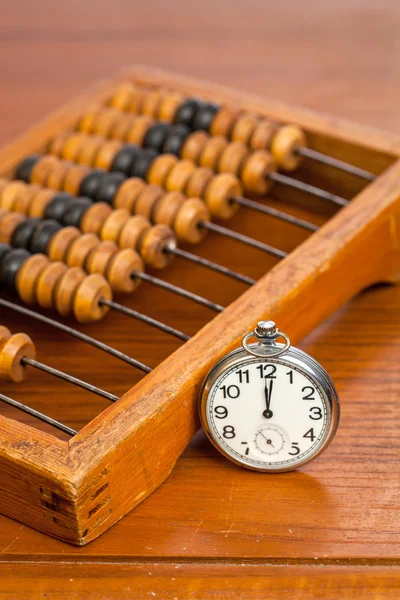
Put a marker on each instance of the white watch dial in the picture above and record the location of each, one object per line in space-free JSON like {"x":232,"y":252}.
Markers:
{"x":268,"y":414}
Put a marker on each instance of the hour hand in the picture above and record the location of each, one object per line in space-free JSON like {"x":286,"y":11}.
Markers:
{"x":268,"y":391}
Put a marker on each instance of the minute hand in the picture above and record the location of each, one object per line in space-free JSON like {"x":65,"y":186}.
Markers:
{"x":268,"y":393}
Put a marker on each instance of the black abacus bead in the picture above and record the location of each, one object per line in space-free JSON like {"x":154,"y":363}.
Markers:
{"x":156,"y":136}
{"x":10,"y":264}
{"x":21,"y":238}
{"x":124,"y":159}
{"x":91,"y":183}
{"x":58,"y":205}
{"x":205,"y":116}
{"x":25,"y":167}
{"x":4,"y":248}
{"x":187,"y":111}
{"x":143,"y":162}
{"x":75,"y":211}
{"x":175,"y":139}
{"x":42,"y":236}
{"x":109,"y":187}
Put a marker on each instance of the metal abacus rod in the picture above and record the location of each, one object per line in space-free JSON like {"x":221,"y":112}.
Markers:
{"x":336,"y":163}
{"x":74,"y":333}
{"x":244,"y":239}
{"x":130,"y":312}
{"x":69,"y":378}
{"x":273,"y":212}
{"x":177,"y":290}
{"x":307,"y":188}
{"x":38,"y":415}
{"x":208,"y":264}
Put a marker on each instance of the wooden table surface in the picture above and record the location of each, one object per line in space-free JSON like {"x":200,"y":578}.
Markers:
{"x":213,"y":530}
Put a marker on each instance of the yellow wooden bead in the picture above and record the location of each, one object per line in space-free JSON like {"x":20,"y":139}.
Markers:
{"x":128,"y":193}
{"x":224,"y":121}
{"x":40,"y":202}
{"x":99,"y":259}
{"x":133,"y":231}
{"x":47,"y":283}
{"x":119,"y":272}
{"x":107,"y":153}
{"x":28,"y":275}
{"x":66,"y":290}
{"x":10,"y":194}
{"x":14,"y":350}
{"x":5,"y":335}
{"x":113,"y":226}
{"x":254,"y":172}
{"x":123,"y":97}
{"x":244,"y":127}
{"x":94,"y":218}
{"x":74,"y":178}
{"x":194,"y":146}
{"x":139,"y":129}
{"x":167,"y":208}
{"x":80,"y":249}
{"x":285,"y":144}
{"x":197,"y":184}
{"x":153,"y":245}
{"x":168,"y":107}
{"x":212,"y":152}
{"x":42,"y":169}
{"x":88,"y":120}
{"x":263,"y":135}
{"x":151,"y":103}
{"x":148,"y":200}
{"x":179,"y":176}
{"x":86,"y":304}
{"x":188,"y":221}
{"x":233,"y":157}
{"x":24,"y":201}
{"x":160,"y":169}
{"x":8,"y":224}
{"x":60,"y":243}
{"x":219,"y":194}
{"x":72,"y":146}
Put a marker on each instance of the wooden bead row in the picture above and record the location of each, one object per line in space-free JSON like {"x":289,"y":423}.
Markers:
{"x":88,"y":252}
{"x":69,"y":291}
{"x":154,"y":103}
{"x":212,"y":152}
{"x":135,"y":234}
{"x":252,"y":129}
{"x":12,"y":349}
{"x":171,"y":209}
{"x":183,"y":177}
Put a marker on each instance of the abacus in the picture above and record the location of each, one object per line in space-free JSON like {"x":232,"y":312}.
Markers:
{"x":281,"y":212}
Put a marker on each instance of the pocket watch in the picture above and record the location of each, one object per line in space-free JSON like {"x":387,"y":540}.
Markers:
{"x":268,"y":406}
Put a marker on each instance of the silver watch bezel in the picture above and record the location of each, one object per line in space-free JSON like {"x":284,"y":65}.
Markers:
{"x":295,"y":357}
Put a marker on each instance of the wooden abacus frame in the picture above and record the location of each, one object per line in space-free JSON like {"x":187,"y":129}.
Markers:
{"x":76,"y":490}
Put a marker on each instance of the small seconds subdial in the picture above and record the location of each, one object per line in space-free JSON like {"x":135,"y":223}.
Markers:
{"x":269,"y":440}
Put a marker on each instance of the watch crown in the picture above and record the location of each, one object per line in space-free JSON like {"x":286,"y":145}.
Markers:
{"x":265,"y":329}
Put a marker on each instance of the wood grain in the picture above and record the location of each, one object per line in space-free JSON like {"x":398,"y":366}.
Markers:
{"x":284,"y":51}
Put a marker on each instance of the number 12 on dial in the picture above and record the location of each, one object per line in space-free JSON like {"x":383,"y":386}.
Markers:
{"x":269,"y":407}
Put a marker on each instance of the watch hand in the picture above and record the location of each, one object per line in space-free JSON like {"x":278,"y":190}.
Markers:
{"x":268,"y":412}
